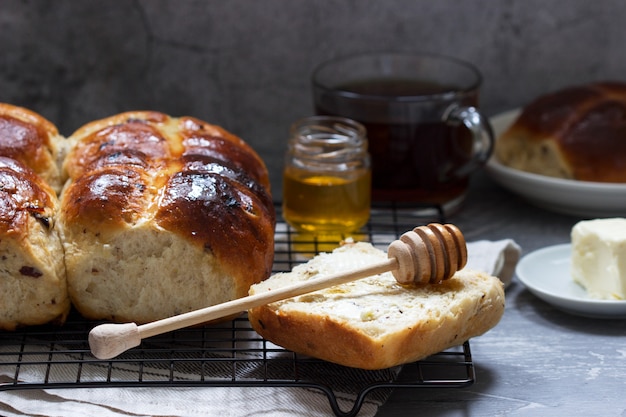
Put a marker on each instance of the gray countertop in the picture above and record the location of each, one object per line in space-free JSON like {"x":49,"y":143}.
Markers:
{"x":538,"y":361}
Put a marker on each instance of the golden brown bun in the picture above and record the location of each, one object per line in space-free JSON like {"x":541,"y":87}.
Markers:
{"x":34,"y":141}
{"x":32,"y":273}
{"x":161,"y":216}
{"x":376,"y":323}
{"x":575,"y":133}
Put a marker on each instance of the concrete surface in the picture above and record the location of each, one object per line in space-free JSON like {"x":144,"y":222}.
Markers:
{"x":245,"y":64}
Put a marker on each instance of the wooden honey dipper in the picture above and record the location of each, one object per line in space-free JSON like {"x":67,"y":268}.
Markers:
{"x":426,"y":254}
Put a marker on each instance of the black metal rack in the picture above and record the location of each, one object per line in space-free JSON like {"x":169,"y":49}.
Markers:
{"x":229,"y":354}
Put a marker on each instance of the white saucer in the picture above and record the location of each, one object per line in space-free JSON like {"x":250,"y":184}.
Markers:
{"x":546,"y":273}
{"x":578,"y":198}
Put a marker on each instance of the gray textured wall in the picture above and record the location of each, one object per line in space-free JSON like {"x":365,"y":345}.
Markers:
{"x":245,"y":64}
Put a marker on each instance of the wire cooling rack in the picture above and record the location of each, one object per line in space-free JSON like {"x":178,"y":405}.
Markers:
{"x":230,"y":354}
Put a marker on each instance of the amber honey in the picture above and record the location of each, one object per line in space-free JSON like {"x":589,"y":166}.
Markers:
{"x":327,"y":176}
{"x":322,"y":204}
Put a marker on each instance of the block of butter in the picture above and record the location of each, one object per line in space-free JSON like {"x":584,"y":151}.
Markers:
{"x":599,"y":257}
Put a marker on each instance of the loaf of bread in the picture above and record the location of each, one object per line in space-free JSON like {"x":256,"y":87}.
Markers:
{"x":576,"y":133}
{"x":376,"y":323}
{"x":161,"y":216}
{"x":32,"y":272}
{"x":156,"y":216}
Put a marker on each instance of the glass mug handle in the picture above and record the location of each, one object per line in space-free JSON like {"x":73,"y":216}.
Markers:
{"x":482,"y":136}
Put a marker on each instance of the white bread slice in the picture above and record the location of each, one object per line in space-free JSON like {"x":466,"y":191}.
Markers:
{"x":376,"y":323}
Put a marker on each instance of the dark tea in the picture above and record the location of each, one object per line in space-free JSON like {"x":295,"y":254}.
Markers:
{"x":426,"y":135}
{"x":416,"y":154}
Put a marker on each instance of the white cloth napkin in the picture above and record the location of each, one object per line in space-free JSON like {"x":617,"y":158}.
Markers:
{"x":496,"y":258}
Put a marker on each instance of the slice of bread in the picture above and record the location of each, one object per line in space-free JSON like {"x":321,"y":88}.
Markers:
{"x":376,"y":323}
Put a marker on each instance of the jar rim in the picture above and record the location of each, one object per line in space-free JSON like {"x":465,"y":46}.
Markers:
{"x":341,"y":124}
{"x":328,"y":139}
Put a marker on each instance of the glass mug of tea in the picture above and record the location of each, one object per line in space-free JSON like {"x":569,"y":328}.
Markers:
{"x":426,"y":135}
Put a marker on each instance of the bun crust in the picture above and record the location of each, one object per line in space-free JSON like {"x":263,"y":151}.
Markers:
{"x":32,"y":272}
{"x":575,"y":133}
{"x":376,"y":323}
{"x":161,"y":216}
{"x":32,"y":140}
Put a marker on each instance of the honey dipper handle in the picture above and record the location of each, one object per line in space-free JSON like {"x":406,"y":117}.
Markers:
{"x":256,"y":300}
{"x":426,"y":254}
{"x":109,"y":340}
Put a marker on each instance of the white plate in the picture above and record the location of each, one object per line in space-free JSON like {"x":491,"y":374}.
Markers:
{"x":578,"y":198}
{"x":546,"y":273}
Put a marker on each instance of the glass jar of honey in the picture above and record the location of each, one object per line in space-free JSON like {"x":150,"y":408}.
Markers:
{"x":327,"y":176}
